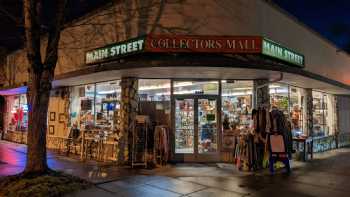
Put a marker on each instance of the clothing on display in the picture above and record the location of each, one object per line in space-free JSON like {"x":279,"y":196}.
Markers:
{"x":161,"y":144}
{"x":250,"y":150}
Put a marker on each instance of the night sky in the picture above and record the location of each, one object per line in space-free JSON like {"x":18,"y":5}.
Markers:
{"x":331,"y":18}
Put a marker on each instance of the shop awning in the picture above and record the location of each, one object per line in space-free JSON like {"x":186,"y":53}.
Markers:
{"x":14,"y":91}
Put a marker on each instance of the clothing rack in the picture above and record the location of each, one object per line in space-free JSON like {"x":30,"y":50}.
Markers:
{"x":251,"y":152}
{"x":161,"y":144}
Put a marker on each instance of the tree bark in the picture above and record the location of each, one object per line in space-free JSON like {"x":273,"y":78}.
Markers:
{"x":41,"y":75}
{"x":38,"y":97}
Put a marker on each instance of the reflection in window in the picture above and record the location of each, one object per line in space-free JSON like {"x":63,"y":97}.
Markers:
{"x":237,"y":103}
{"x":196,"y":87}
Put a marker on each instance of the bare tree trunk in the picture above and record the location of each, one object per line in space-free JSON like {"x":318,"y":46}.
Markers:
{"x":41,"y":74}
{"x":38,"y":97}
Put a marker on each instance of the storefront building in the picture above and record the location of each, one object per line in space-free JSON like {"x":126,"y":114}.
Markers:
{"x":187,"y":73}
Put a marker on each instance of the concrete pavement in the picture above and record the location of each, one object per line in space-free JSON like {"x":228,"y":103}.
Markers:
{"x":327,"y":175}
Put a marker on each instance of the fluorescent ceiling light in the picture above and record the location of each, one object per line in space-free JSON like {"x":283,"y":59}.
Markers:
{"x":274,"y":86}
{"x":107,"y":92}
{"x":276,"y":91}
{"x":237,"y":94}
{"x":187,"y":91}
{"x":243,"y":88}
{"x":154,"y":87}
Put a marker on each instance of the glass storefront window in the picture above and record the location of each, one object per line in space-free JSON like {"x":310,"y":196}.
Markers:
{"x":279,"y":97}
{"x":107,"y":103}
{"x":82,"y":109}
{"x":331,"y":114}
{"x":324,"y":115}
{"x":154,"y":89}
{"x":95,"y":105}
{"x":19,"y":112}
{"x":297,"y":104}
{"x":196,"y":87}
{"x":154,"y":100}
{"x":237,"y":103}
{"x":318,"y":114}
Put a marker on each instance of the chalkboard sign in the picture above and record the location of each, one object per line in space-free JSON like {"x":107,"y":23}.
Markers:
{"x":86,"y":105}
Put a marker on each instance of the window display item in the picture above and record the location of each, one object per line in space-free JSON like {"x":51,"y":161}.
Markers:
{"x":251,"y":152}
{"x":161,"y":144}
{"x":18,"y":113}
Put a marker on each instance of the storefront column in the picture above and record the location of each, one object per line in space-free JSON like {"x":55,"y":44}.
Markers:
{"x":128,"y":112}
{"x":261,"y":93}
{"x":309,"y":111}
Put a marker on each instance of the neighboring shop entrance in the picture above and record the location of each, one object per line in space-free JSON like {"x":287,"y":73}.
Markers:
{"x":196,"y":126}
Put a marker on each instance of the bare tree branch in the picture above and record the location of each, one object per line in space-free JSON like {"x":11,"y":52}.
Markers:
{"x":54,"y":35}
{"x":32,"y":32}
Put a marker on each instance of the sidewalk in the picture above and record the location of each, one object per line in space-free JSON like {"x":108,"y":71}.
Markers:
{"x":13,"y":159}
{"x":327,"y":175}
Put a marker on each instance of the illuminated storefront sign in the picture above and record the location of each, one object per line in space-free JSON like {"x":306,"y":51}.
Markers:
{"x":195,"y":44}
{"x":275,"y":50}
{"x":203,"y":44}
{"x":115,"y":50}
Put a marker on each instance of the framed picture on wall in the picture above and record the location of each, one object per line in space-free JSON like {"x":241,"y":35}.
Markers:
{"x":61,"y":118}
{"x":51,"y":129}
{"x":52,"y":116}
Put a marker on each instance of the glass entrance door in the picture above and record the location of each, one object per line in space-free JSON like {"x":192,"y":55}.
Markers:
{"x":184,"y":126}
{"x":207,"y":126}
{"x":195,"y":122}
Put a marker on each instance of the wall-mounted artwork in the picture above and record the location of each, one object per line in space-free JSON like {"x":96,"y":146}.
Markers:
{"x":52,"y":116}
{"x":51,"y":129}
{"x":61,"y":118}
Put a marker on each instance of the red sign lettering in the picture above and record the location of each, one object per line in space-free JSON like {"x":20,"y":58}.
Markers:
{"x":203,"y":44}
